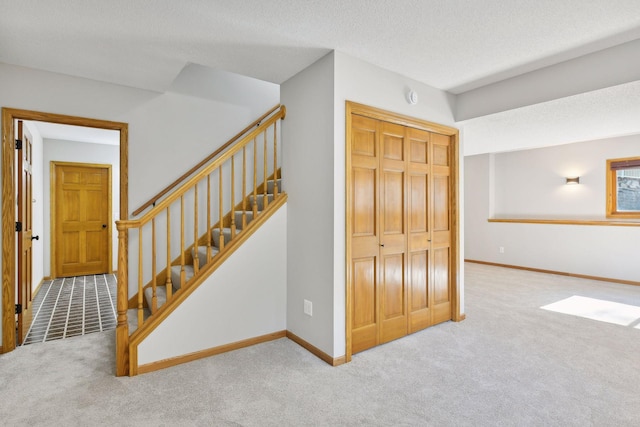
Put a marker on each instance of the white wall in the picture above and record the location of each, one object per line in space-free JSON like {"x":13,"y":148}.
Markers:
{"x":79,"y":152}
{"x":530,"y":183}
{"x":308,"y":172}
{"x":37,"y":182}
{"x":245,"y":298}
{"x":314,"y":134}
{"x":367,"y":84}
{"x":168,"y":132}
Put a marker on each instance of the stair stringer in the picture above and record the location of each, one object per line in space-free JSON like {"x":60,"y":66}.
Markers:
{"x":241,"y":295}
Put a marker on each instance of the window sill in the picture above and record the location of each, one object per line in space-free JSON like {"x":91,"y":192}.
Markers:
{"x":571,"y":221}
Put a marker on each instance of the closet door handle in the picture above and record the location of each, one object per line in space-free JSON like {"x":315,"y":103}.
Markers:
{"x":382,"y":245}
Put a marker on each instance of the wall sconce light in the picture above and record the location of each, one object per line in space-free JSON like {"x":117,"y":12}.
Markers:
{"x":573,"y":180}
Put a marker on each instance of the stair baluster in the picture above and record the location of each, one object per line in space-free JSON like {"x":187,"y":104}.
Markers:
{"x":244,"y":187}
{"x":183,"y":273}
{"x":154,"y":297}
{"x":196,"y":258}
{"x":233,"y":196}
{"x":221,"y":217}
{"x":208,"y":217}
{"x":266,"y":198}
{"x":255,"y":178}
{"x":140,"y":294}
{"x":168,"y":284}
{"x":275,"y":161}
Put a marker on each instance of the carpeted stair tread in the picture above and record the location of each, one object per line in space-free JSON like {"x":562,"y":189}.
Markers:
{"x":175,"y":275}
{"x":202,"y":254}
{"x":215,"y":235}
{"x":161,"y":296}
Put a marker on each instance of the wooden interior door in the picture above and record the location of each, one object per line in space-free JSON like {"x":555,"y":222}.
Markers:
{"x":400,"y":229}
{"x":82,"y":206}
{"x":24,"y":282}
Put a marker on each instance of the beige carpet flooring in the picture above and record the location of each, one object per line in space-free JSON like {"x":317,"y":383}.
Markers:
{"x":510,"y":363}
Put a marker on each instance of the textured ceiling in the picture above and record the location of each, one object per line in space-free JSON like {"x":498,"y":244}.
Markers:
{"x":456,"y":45}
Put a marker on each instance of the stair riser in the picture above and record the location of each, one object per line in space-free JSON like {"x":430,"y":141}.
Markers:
{"x":270,"y":186}
{"x":215,"y":235}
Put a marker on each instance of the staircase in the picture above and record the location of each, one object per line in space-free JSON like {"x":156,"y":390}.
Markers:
{"x":190,"y":228}
{"x":205,"y":253}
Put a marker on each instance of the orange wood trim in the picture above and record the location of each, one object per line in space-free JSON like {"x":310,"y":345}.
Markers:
{"x":599,"y":222}
{"x":157,"y":318}
{"x":388,"y":116}
{"x":37,"y":289}
{"x":559,"y":273}
{"x":333,"y":361}
{"x":1,"y":351}
{"x":207,"y":159}
{"x":166,"y":363}
{"x":8,"y":197}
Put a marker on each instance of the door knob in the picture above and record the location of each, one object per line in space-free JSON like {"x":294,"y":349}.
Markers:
{"x":104,"y":225}
{"x":382,"y":245}
{"x":35,"y":237}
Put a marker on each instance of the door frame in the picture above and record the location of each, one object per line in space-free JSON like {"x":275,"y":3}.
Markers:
{"x":9,"y":115}
{"x":53,"y":226}
{"x":388,"y":116}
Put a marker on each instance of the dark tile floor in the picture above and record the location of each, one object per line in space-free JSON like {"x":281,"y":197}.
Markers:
{"x":73,"y":306}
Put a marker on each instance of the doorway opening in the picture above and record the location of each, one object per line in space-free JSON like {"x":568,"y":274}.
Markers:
{"x":11,"y":236}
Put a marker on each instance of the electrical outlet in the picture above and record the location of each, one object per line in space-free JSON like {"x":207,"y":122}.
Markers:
{"x":308,"y":308}
{"x":501,"y":249}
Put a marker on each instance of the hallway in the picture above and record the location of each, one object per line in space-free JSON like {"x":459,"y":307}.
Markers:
{"x":72,"y":306}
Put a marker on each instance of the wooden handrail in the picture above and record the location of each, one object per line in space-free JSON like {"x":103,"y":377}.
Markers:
{"x":191,"y":171}
{"x":211,"y":167}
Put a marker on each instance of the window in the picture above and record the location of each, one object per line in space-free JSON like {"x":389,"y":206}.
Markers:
{"x":623,"y":187}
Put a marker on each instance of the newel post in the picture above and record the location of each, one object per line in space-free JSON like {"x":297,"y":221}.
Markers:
{"x":122,"y":329}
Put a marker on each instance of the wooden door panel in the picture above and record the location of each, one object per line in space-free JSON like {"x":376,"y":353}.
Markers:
{"x":441,"y":286}
{"x":364,"y":198}
{"x":419,"y":283}
{"x":418,"y":203}
{"x":393,"y":286}
{"x":82,"y":207}
{"x":441,"y":151}
{"x":392,"y":203}
{"x":393,"y":321}
{"x":363,"y":136}
{"x":392,"y":142}
{"x":440,"y":203}
{"x":419,"y":313}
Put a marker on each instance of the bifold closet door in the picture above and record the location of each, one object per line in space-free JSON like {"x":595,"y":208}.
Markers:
{"x":400,"y":230}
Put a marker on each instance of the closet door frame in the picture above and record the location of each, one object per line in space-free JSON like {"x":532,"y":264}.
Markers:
{"x":387,"y":116}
